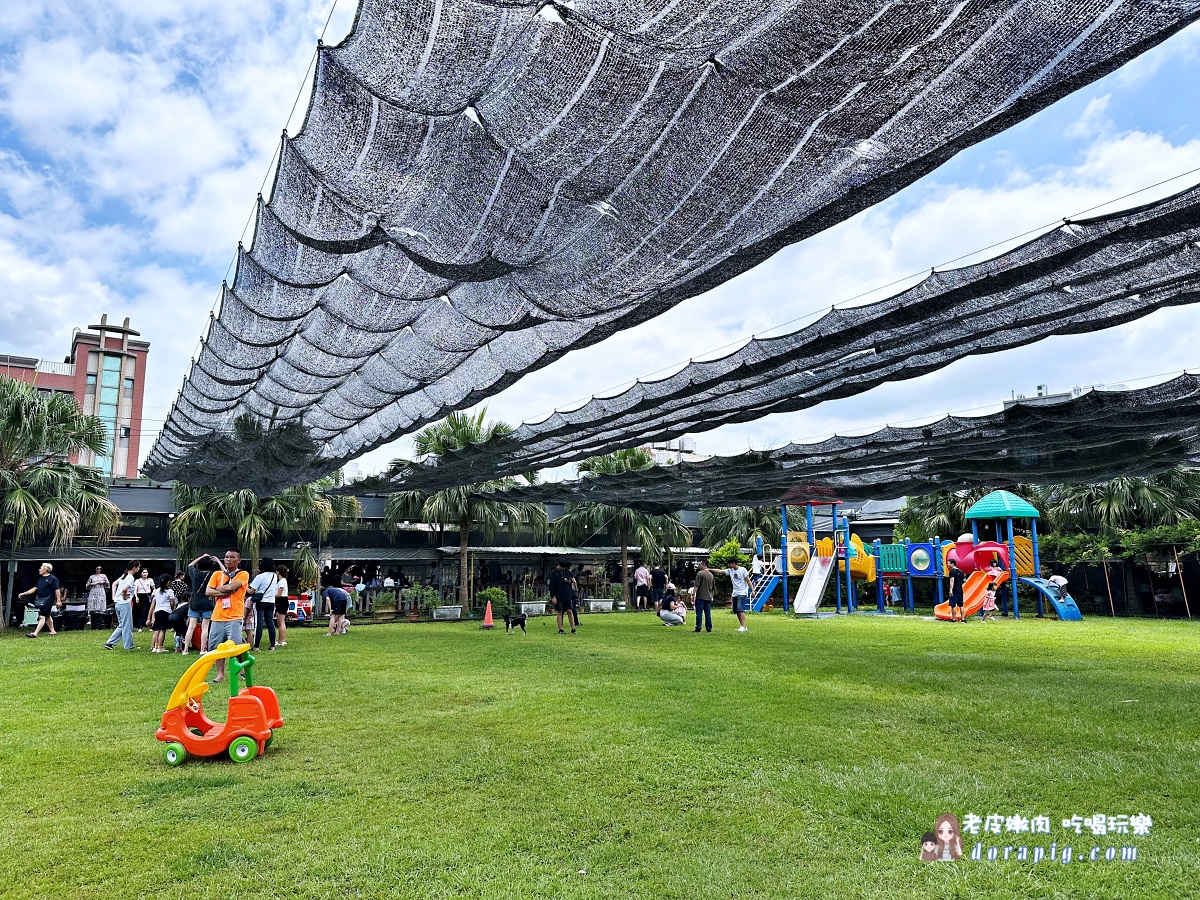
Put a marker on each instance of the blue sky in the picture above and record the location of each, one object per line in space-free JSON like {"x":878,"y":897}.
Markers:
{"x":134,"y":136}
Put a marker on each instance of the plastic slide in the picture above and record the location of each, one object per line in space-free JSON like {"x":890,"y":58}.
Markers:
{"x":1063,"y":603}
{"x":973,"y":594}
{"x":812,"y":588}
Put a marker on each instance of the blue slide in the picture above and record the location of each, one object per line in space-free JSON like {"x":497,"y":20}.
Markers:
{"x":1063,"y":603}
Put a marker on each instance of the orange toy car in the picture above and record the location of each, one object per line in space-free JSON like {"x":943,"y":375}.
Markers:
{"x":248,"y":728}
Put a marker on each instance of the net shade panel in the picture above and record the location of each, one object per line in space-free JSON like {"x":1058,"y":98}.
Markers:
{"x":1093,"y":437}
{"x":1085,"y":275}
{"x":480,"y":187}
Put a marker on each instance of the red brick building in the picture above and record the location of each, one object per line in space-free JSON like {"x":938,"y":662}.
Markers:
{"x":106,"y":374}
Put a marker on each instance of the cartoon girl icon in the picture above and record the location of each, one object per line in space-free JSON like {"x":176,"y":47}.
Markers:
{"x":949,"y":840}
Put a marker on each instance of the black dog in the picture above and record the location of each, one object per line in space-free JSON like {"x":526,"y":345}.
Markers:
{"x":511,"y":623}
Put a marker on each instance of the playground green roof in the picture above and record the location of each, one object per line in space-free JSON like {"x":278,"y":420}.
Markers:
{"x":1002,"y":505}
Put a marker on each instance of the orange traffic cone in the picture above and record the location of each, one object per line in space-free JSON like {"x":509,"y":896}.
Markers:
{"x":487,"y":618}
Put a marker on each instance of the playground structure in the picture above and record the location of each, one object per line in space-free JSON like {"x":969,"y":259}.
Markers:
{"x":1008,"y":560}
{"x":249,"y":725}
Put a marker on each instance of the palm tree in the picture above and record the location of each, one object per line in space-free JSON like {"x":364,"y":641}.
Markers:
{"x":43,"y":493}
{"x":1126,"y":501}
{"x":738,"y":522}
{"x":307,"y":509}
{"x":654,"y":533}
{"x":481,"y":507}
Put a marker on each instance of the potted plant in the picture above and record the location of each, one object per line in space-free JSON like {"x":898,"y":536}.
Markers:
{"x":531,"y":604}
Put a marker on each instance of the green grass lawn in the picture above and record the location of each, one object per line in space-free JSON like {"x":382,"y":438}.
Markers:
{"x":804,"y":759}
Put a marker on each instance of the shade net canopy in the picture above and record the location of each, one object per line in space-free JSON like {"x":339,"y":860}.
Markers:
{"x":1092,"y":437}
{"x":1082,"y":276}
{"x":480,"y":187}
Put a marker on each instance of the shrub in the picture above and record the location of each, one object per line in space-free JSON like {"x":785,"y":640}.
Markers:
{"x":616,"y":592}
{"x":498,"y":597}
{"x":727,"y":554}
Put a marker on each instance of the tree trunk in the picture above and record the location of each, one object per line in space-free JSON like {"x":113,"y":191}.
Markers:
{"x":464,"y":537}
{"x":624,"y":570}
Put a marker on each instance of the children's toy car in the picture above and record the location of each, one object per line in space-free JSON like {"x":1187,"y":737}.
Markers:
{"x":249,"y":725}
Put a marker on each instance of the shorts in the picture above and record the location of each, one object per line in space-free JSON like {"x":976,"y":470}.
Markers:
{"x":643,"y":590}
{"x":956,"y":599}
{"x":337,"y":607}
{"x":740,"y":602}
{"x":46,"y":609}
{"x":199,"y":614}
{"x":562,"y":605}
{"x":160,"y":620}
{"x":219,"y":632}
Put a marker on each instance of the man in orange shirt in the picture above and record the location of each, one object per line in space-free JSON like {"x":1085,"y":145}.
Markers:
{"x":228,"y":590}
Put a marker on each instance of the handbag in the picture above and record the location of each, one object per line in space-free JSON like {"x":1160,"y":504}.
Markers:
{"x":257,"y":596}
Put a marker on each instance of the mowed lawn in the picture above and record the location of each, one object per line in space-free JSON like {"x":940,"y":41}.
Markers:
{"x":804,"y":759}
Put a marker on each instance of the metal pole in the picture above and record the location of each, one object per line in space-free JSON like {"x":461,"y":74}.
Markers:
{"x":878,"y":554}
{"x":974,"y":532}
{"x":808,"y":526}
{"x":783,"y":547}
{"x":1012,"y":568}
{"x":1037,"y":562}
{"x":851,"y":605}
{"x":1179,"y":566}
{"x":1108,"y":584}
{"x":938,"y":566}
{"x":837,"y":576}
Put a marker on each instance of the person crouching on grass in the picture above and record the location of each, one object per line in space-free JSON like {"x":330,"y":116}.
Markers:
{"x":338,"y":601}
{"x":227,"y":587}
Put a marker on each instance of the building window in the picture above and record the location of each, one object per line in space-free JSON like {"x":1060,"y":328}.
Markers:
{"x":128,"y":387}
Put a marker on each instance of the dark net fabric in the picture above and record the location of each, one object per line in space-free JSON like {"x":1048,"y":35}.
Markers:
{"x":1082,"y":276}
{"x":480,"y":187}
{"x":1096,"y":436}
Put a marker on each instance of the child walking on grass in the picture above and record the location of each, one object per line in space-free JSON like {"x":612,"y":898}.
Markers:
{"x":989,"y":601}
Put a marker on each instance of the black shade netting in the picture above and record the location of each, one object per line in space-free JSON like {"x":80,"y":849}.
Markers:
{"x":1093,"y":437}
{"x":480,"y":187}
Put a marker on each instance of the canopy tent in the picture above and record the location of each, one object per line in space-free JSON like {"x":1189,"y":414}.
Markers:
{"x":1095,"y":436}
{"x":1080,"y":277}
{"x":480,"y":187}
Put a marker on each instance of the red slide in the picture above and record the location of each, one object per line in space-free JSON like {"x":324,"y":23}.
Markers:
{"x":973,"y":593}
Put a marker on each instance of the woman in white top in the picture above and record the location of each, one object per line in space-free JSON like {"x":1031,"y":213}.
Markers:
{"x":143,"y":590}
{"x":281,"y":607}
{"x":269,"y":583}
{"x":164,"y":602}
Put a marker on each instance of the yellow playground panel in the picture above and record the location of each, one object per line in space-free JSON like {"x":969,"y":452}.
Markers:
{"x":862,"y":562}
{"x":798,"y":553}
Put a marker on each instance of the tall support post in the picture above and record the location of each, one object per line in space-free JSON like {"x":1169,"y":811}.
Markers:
{"x":1012,"y":568}
{"x":808,"y":527}
{"x":851,"y":604}
{"x":1037,"y":561}
{"x":909,"y":602}
{"x":1182,"y":585}
{"x":783,"y":548}
{"x":975,"y":532}
{"x":837,"y":576}
{"x":878,"y":554}
{"x":938,"y":565}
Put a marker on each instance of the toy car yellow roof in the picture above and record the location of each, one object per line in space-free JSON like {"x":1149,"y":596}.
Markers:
{"x":191,"y":684}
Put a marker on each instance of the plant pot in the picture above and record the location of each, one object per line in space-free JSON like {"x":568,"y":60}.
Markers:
{"x":600,"y":606}
{"x":537,"y":608}
{"x":447,"y":612}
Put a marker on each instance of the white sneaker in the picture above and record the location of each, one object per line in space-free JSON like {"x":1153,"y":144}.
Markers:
{"x":743,"y":628}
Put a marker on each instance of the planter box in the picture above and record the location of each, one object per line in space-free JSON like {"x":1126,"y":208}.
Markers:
{"x":533,"y":609}
{"x":600,"y":606}
{"x":447,"y":612}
